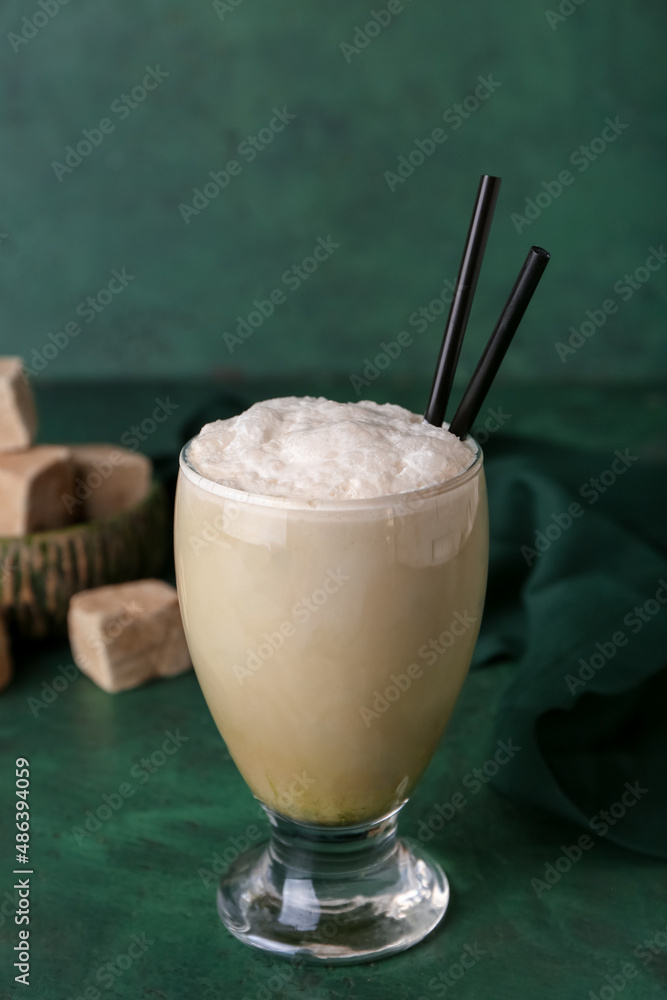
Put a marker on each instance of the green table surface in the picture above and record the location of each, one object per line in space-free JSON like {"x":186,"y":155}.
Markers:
{"x":126,"y":911}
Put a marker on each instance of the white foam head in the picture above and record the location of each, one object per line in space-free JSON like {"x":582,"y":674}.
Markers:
{"x":315,"y":449}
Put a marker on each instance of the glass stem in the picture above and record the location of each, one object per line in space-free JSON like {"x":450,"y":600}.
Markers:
{"x":307,"y":851}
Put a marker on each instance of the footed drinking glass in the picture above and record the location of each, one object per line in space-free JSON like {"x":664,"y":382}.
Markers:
{"x":331,"y":640}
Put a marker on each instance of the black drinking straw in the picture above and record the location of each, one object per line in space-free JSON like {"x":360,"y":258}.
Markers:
{"x":459,"y":311}
{"x":494,"y":352}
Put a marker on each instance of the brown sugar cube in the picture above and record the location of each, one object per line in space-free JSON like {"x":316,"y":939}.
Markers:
{"x":128,"y":633}
{"x":6,"y":666}
{"x":33,"y":484}
{"x":18,"y":417}
{"x":108,"y":480}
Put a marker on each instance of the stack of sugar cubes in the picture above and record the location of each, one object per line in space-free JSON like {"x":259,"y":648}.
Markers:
{"x":122,"y":634}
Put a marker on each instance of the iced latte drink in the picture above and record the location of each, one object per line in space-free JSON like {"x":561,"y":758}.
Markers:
{"x":331,"y":566}
{"x":331,"y":630}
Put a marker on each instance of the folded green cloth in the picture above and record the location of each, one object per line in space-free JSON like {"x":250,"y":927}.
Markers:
{"x":577,"y":597}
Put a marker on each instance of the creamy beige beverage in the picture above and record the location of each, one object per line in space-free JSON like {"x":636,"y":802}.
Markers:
{"x":331,"y":566}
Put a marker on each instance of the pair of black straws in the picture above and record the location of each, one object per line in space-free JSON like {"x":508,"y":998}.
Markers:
{"x":457,"y":320}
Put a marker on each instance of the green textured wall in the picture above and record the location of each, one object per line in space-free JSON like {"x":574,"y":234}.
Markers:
{"x":356,"y":113}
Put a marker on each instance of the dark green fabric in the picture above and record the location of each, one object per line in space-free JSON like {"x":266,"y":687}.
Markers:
{"x":584,"y":732}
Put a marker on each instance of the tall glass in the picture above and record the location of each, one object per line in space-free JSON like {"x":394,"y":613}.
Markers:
{"x":331,"y":639}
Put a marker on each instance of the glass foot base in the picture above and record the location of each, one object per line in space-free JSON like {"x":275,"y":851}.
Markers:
{"x":333,"y":894}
